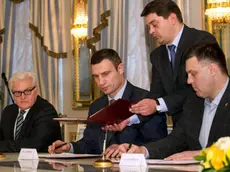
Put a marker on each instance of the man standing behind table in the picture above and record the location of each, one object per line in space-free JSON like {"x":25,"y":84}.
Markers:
{"x":108,"y":73}
{"x":168,"y":88}
{"x":29,"y":122}
{"x":206,"y":115}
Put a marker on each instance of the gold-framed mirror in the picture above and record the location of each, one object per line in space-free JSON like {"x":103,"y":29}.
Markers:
{"x":82,"y":80}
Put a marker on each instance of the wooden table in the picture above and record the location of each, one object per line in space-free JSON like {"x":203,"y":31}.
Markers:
{"x":10,"y":163}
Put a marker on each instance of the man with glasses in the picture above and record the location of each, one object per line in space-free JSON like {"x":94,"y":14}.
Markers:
{"x":29,"y":122}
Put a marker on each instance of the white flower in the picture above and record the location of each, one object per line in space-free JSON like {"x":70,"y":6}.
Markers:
{"x":223,"y":143}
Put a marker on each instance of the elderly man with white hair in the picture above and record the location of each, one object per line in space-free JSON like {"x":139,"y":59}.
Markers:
{"x":29,"y":122}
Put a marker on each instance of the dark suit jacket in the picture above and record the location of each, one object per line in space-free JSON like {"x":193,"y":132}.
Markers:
{"x":185,"y":136}
{"x":39,"y":130}
{"x":172,"y":86}
{"x":93,"y":135}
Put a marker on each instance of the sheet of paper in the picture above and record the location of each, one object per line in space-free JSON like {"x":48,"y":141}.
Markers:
{"x":67,"y":155}
{"x":167,"y":162}
{"x":164,"y":162}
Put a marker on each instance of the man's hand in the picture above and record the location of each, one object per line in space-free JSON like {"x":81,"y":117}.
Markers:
{"x":186,"y":155}
{"x":117,"y":127}
{"x":53,"y":148}
{"x":117,"y":150}
{"x":144,"y":107}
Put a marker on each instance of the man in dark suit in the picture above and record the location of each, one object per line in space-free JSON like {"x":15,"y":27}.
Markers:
{"x":206,"y":115}
{"x":29,"y":122}
{"x":108,"y":73}
{"x":168,"y":88}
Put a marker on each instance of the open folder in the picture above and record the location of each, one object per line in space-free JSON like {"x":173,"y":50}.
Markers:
{"x":114,"y":113}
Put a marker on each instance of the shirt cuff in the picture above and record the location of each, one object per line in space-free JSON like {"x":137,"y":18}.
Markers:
{"x":71,"y":148}
{"x":162,"y":105}
{"x":133,"y":120}
{"x":147,"y":153}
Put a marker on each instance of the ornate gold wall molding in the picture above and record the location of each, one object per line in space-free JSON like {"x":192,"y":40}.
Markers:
{"x":49,"y":52}
{"x":16,"y":1}
{"x":96,"y":31}
{"x":2,"y":31}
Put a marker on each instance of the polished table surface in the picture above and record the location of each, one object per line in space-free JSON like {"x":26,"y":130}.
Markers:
{"x":10,"y":163}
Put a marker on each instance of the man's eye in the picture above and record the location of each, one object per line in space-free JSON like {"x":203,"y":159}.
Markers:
{"x":26,"y":91}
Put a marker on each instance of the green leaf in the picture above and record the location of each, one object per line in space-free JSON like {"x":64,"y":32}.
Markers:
{"x":225,"y":169}
{"x":209,"y":170}
{"x":200,"y":158}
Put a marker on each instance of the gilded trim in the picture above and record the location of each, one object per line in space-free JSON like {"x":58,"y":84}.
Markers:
{"x":96,"y":31}
{"x":50,"y":53}
{"x":17,"y":1}
{"x":2,"y":31}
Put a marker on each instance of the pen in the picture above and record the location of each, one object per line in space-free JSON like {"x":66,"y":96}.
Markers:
{"x":63,"y":144}
{"x":130,"y":145}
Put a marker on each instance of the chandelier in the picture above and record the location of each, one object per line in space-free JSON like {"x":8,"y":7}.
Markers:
{"x":219,"y":12}
{"x":79,"y":28}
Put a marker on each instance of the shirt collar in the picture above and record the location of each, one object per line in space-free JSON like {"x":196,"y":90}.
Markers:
{"x":24,"y":110}
{"x":177,"y":39}
{"x":217,"y":99}
{"x":119,"y":93}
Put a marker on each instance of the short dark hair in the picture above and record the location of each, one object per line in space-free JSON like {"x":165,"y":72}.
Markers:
{"x":208,"y":51}
{"x":162,"y":8}
{"x":109,"y":54}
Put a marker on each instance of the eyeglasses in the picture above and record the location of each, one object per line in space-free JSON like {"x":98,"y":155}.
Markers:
{"x":25,"y":92}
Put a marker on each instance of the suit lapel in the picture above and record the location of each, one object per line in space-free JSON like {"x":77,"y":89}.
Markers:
{"x":164,"y":61}
{"x":197,"y":117}
{"x":223,"y":109}
{"x":183,"y":45}
{"x":12,"y":121}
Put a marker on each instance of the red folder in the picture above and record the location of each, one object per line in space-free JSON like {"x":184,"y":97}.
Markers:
{"x":114,"y":113}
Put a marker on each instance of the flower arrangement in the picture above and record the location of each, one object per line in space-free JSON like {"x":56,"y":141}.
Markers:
{"x":216,"y":158}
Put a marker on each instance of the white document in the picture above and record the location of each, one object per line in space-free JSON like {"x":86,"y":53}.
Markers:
{"x":170,"y":162}
{"x":28,"y":154}
{"x":134,"y":160}
{"x":67,"y":155}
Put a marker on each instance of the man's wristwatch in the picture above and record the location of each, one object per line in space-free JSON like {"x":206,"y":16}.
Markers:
{"x":158,"y":107}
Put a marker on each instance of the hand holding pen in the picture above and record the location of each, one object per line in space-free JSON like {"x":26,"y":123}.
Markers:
{"x":59,"y":147}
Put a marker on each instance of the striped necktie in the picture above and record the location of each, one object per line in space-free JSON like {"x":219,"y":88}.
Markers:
{"x":19,"y":124}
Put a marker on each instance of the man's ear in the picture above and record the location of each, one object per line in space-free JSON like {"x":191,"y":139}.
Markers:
{"x":213,"y":69}
{"x":120,"y":68}
{"x":173,"y":18}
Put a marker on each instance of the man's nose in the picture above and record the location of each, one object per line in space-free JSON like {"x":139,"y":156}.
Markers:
{"x":151,"y":30}
{"x":23,"y":96}
{"x":189,"y":80}
{"x":101,"y":80}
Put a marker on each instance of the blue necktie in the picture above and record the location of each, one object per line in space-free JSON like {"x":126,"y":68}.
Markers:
{"x":172,"y":54}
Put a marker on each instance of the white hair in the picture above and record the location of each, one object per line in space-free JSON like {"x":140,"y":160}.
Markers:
{"x":22,"y":75}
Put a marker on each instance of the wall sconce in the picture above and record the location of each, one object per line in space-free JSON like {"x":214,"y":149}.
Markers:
{"x":219,"y":12}
{"x":79,"y":28}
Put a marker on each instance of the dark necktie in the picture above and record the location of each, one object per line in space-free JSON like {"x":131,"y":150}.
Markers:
{"x":172,"y":54}
{"x":19,"y":124}
{"x":111,"y":101}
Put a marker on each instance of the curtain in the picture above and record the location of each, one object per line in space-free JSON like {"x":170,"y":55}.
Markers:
{"x":35,"y":39}
{"x":50,"y":32}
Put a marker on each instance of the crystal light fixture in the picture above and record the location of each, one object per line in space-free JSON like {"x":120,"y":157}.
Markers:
{"x":79,"y":28}
{"x":219,"y":12}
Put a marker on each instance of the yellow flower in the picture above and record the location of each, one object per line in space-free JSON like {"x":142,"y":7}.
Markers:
{"x":218,"y":158}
